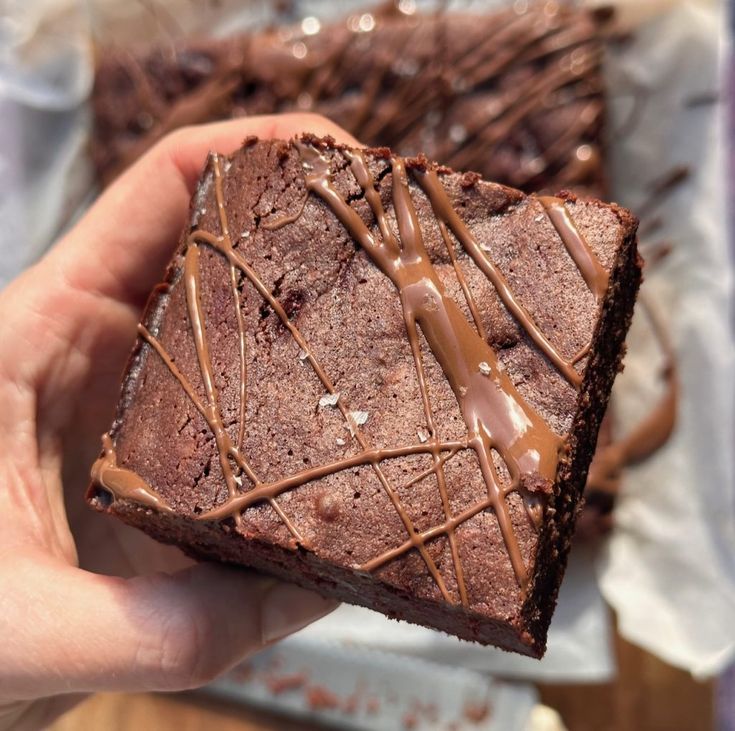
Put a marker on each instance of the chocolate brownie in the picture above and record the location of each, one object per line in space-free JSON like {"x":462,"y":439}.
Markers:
{"x":516,"y":94}
{"x":379,"y":379}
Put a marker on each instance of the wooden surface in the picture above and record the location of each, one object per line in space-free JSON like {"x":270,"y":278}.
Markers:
{"x":647,"y":696}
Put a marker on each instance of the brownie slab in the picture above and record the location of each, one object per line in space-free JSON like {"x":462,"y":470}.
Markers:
{"x":515,"y":94}
{"x":379,"y":379}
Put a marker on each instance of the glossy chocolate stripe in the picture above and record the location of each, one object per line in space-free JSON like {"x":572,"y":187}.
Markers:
{"x":373,"y":456}
{"x":443,"y":210}
{"x":123,"y":484}
{"x":495,"y":414}
{"x":589,"y":266}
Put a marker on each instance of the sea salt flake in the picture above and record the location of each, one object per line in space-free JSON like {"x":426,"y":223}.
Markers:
{"x":359,"y":417}
{"x":423,"y":436}
{"x":484,"y":368}
{"x":341,"y":442}
{"x":238,"y":480}
{"x":329,"y":399}
{"x":303,"y":355}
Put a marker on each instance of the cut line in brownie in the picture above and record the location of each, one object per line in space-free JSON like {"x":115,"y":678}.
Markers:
{"x":379,"y":379}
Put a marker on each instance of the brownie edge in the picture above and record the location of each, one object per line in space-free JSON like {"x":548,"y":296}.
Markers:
{"x":379,"y":379}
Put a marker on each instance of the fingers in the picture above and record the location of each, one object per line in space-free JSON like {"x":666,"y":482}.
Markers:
{"x":79,"y":632}
{"x":121,"y":246}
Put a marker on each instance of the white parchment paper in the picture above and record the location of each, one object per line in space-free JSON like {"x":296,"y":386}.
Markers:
{"x":398,"y":685}
{"x":45,"y":79}
{"x":669,"y":568}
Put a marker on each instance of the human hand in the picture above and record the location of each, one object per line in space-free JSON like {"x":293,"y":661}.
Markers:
{"x":66,"y":327}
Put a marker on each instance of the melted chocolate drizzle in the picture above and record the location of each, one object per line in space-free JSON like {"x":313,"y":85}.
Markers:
{"x":124,"y":484}
{"x":552,"y":52}
{"x":498,"y":419}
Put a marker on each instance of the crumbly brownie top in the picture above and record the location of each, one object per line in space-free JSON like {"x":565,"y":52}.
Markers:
{"x":387,"y":317}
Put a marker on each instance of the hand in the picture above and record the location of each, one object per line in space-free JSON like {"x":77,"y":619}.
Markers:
{"x":66,"y":327}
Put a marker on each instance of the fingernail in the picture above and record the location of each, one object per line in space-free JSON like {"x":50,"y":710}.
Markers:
{"x":287,"y":608}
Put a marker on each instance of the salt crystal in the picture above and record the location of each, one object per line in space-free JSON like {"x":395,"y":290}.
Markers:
{"x":145,"y":120}
{"x":423,"y":436}
{"x":484,"y":368}
{"x":341,"y":442}
{"x":238,"y":480}
{"x":329,"y":399}
{"x":359,"y":417}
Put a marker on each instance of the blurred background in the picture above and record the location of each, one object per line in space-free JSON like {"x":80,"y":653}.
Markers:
{"x":627,"y":101}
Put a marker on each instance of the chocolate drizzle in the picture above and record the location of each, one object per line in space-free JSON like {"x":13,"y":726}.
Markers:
{"x":445,"y":213}
{"x":406,"y":80}
{"x":588,"y":264}
{"x":123,"y":484}
{"x":497,"y":418}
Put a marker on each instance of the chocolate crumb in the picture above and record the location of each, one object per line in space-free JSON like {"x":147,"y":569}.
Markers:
{"x":320,"y":698}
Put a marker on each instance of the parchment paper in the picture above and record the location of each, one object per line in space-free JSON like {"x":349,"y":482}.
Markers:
{"x":401,"y":689}
{"x":669,"y":568}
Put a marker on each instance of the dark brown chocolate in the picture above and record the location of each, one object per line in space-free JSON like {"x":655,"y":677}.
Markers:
{"x":516,"y":94}
{"x":453,"y":343}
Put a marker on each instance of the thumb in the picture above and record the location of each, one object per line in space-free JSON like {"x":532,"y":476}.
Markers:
{"x":74,"y":631}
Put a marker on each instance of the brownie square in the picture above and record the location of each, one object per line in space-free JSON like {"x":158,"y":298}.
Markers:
{"x":379,"y":379}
